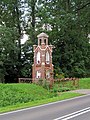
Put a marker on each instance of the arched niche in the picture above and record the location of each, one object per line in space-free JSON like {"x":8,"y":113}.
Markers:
{"x":47,"y":57}
{"x":38,"y":57}
{"x":47,"y":74}
{"x":38,"y":74}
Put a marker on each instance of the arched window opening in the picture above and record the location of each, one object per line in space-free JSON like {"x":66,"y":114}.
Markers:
{"x":38,"y":57}
{"x":45,"y":41}
{"x":40,"y":41}
{"x":47,"y":58}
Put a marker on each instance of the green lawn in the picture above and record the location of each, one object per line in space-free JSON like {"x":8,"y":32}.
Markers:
{"x":84,"y":83}
{"x":17,"y":96}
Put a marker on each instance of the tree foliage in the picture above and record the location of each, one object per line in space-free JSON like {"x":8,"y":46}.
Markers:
{"x":66,"y":21}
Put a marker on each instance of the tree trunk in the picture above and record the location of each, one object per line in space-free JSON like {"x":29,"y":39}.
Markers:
{"x":19,"y":38}
{"x":33,"y":20}
{"x":67,"y":5}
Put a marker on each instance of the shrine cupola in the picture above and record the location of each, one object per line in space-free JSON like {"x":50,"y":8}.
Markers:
{"x":42,"y":39}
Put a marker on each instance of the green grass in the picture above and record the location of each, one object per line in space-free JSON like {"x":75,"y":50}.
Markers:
{"x":17,"y":96}
{"x":12,"y":94}
{"x":62,"y":96}
{"x":84,"y":83}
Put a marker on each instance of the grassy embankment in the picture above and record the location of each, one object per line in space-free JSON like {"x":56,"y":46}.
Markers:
{"x":84,"y":83}
{"x":17,"y":96}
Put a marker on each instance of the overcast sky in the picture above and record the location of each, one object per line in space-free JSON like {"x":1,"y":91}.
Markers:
{"x":24,"y":39}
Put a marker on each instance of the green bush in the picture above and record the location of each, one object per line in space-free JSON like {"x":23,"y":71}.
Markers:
{"x":57,"y":88}
{"x":60,"y":76}
{"x":40,"y":82}
{"x":44,"y":83}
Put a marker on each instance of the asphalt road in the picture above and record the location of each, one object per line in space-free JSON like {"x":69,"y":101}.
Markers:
{"x":85,"y":116}
{"x":53,"y":111}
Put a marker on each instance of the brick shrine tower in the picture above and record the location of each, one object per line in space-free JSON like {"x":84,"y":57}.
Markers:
{"x":42,"y":67}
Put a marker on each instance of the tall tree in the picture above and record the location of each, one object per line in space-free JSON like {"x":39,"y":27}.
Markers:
{"x":70,"y":29}
{"x":66,"y":21}
{"x":11,"y":33}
